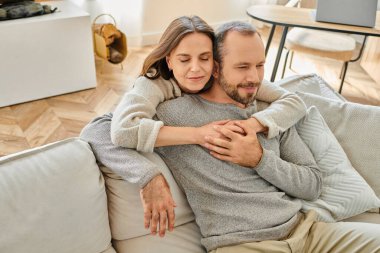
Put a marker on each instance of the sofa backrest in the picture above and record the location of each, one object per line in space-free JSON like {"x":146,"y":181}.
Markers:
{"x":53,"y":199}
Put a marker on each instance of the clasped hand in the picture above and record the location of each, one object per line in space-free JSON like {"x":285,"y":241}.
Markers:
{"x":234,"y":141}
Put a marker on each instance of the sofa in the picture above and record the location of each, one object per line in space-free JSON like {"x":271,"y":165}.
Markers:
{"x":56,"y":198}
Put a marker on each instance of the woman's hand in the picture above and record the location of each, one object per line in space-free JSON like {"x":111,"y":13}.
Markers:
{"x":253,"y":124}
{"x":210,"y":130}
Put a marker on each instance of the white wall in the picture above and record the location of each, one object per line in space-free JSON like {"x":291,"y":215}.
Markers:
{"x":127,"y":13}
{"x":143,"y":21}
{"x":213,"y":12}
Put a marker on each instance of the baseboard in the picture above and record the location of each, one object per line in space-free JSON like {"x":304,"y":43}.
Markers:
{"x":153,"y":37}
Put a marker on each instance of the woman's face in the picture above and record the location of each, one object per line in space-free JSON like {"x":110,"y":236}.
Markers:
{"x":192,"y":62}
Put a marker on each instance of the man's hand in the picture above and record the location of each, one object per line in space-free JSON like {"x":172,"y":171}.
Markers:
{"x":244,"y":150}
{"x":209,"y":130}
{"x":158,"y":205}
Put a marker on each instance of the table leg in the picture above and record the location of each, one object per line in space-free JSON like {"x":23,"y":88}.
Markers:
{"x":270,"y":39}
{"x":361,"y":50}
{"x":279,"y":52}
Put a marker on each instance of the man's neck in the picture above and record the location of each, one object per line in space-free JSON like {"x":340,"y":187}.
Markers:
{"x":216,"y":94}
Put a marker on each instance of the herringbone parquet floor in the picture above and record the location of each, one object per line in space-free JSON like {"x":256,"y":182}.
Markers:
{"x":44,"y":121}
{"x":47,"y":120}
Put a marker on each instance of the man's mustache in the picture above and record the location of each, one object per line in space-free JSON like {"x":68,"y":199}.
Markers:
{"x":248,"y":85}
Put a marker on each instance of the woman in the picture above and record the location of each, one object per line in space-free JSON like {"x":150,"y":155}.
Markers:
{"x":183,"y":62}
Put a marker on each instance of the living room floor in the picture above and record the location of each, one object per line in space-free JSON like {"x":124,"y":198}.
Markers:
{"x":47,"y":120}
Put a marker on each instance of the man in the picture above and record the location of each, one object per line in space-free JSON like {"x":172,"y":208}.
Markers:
{"x":246,"y":200}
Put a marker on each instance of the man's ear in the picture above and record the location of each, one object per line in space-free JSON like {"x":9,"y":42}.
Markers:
{"x":215,"y":71}
{"x":168,"y":62}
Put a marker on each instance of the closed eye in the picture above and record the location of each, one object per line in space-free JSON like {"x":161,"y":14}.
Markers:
{"x":260,"y":64}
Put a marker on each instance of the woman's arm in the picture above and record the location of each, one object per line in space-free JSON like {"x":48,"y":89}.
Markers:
{"x":127,"y":163}
{"x":169,"y":136}
{"x":285,"y":110}
{"x":132,"y":124}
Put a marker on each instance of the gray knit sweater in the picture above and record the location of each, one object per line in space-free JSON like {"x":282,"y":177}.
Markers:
{"x":132,"y":125}
{"x":234,"y":204}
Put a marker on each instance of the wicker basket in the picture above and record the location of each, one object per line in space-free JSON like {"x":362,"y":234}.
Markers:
{"x":100,"y":46}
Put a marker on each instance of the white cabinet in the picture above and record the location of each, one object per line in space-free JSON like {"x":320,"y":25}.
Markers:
{"x":46,"y":55}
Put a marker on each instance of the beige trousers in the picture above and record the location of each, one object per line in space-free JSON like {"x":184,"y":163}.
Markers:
{"x":318,"y":237}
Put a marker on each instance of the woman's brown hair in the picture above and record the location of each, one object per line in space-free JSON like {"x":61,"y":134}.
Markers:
{"x":155,"y":65}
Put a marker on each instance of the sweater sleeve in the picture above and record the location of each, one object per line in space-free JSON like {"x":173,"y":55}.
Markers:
{"x":285,"y":110}
{"x":132,"y":124}
{"x":295,"y":172}
{"x":127,"y":163}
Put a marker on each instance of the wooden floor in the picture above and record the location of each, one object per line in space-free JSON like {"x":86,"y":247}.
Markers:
{"x":47,"y":120}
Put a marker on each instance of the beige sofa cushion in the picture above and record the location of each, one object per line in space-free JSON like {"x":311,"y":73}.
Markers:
{"x":356,"y":127}
{"x":53,"y":200}
{"x":184,"y":239}
{"x":344,"y":192}
{"x":125,"y":209}
{"x":365,"y":217}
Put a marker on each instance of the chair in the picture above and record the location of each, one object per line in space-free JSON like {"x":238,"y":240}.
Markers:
{"x":332,"y":45}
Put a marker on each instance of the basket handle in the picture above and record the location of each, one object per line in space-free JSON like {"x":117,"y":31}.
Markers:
{"x":104,"y":14}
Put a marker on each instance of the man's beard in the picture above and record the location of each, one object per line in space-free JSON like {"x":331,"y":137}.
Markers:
{"x":233,"y":92}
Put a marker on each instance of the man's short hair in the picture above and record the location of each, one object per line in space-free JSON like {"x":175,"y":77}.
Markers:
{"x":220,"y":34}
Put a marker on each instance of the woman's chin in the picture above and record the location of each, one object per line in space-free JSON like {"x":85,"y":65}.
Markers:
{"x":193,"y":90}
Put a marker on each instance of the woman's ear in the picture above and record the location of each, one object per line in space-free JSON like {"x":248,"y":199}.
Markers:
{"x":215,"y":71}
{"x":168,"y":62}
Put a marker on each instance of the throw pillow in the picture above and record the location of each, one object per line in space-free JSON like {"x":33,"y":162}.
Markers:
{"x":310,"y":83}
{"x":356,"y":128}
{"x":344,"y":193}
